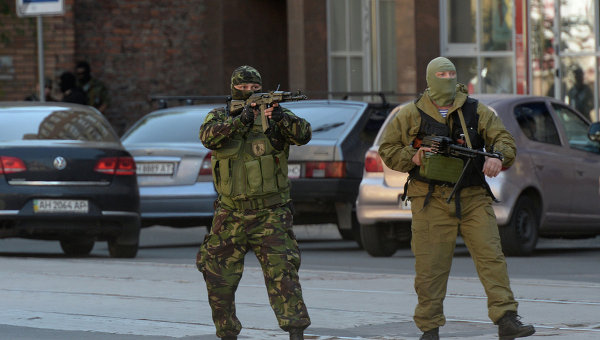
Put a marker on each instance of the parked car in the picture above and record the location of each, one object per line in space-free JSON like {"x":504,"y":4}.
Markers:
{"x":173,"y":167}
{"x":552,"y":190}
{"x":325,"y":173}
{"x":65,"y":176}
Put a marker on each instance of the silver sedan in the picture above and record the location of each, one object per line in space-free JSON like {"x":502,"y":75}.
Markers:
{"x":173,"y":167}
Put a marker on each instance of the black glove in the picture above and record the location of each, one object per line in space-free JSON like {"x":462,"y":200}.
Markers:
{"x":277,"y":113}
{"x":247,"y":115}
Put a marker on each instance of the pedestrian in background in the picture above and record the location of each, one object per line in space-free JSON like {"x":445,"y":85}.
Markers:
{"x":71,"y":93}
{"x":95,"y":90}
{"x":253,"y":210}
{"x":580,"y":95}
{"x":436,"y":222}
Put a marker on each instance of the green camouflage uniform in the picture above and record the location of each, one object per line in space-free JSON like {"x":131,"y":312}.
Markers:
{"x":252,"y":212}
{"x":435,"y":226}
{"x":97,"y":93}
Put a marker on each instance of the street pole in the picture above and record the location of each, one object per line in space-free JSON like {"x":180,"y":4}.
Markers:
{"x":40,"y":43}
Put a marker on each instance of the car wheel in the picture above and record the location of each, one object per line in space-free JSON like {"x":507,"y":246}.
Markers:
{"x":379,"y":240}
{"x":77,"y":247}
{"x":520,"y":235}
{"x":354,"y":233}
{"x":122,"y":250}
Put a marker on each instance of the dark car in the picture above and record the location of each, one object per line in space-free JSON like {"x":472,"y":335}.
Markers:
{"x":66,"y":177}
{"x":173,"y":167}
{"x":326,"y":173}
{"x":552,"y":189}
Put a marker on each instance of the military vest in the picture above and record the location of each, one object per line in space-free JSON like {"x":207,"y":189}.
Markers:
{"x":249,"y":173}
{"x":431,"y":127}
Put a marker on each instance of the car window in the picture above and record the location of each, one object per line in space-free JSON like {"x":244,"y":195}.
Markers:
{"x":326,"y":121}
{"x":168,"y":127}
{"x":30,"y":123}
{"x":536,"y":123}
{"x":576,"y":129}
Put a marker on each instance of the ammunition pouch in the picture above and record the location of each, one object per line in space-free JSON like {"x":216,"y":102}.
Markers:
{"x":441,"y":168}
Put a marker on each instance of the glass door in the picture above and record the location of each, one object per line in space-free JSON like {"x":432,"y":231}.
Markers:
{"x":564,"y":52}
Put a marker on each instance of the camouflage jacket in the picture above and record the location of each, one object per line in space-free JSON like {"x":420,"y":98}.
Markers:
{"x":97,"y":93}
{"x":219,"y":127}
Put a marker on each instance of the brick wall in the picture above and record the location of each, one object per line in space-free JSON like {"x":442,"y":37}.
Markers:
{"x":142,"y":47}
{"x":20,"y":43}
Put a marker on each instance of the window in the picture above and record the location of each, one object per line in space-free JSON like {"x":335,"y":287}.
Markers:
{"x":576,"y":129}
{"x":478,"y":36}
{"x":347,"y":51}
{"x":536,"y":123}
{"x":362,"y":42}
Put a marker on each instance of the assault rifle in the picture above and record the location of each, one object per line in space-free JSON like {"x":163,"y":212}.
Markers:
{"x":263,"y":99}
{"x":445,"y":146}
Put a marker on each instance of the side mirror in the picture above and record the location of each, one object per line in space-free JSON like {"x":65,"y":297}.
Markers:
{"x":594,"y":132}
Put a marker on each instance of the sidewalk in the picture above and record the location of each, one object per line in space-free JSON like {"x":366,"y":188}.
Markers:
{"x":162,"y":301}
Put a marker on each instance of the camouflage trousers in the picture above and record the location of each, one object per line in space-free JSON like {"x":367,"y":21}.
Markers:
{"x":267,"y":232}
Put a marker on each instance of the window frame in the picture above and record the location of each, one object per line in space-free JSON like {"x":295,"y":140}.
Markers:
{"x":473,"y":50}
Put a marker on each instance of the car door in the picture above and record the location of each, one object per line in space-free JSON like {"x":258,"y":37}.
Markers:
{"x":552,"y":165}
{"x":584,"y":154}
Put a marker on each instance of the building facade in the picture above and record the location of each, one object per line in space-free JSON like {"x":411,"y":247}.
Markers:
{"x":326,"y":48}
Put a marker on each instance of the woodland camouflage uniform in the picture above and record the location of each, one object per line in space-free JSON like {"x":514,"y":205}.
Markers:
{"x":252,"y":212}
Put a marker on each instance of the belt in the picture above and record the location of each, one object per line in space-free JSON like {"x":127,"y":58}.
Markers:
{"x":253,"y":203}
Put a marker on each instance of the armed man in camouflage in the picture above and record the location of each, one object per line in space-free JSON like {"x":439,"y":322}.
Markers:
{"x":253,"y":210}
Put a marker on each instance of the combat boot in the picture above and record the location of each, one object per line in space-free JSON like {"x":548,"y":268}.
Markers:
{"x":432,"y":334}
{"x":296,"y":334}
{"x":229,"y":337}
{"x":510,"y":327}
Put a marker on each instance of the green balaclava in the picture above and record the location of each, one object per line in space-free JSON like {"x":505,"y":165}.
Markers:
{"x":244,"y":75}
{"x":441,"y":90}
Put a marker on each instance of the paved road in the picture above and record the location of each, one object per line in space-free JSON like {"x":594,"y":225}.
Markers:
{"x":160,"y":295}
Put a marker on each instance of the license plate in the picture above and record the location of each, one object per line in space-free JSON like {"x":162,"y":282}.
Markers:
{"x":60,"y":206}
{"x":155,"y":168}
{"x":294,"y":170}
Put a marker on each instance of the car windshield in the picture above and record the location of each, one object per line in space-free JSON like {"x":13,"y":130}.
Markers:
{"x":328,"y":121}
{"x":173,"y":126}
{"x":57,"y":123}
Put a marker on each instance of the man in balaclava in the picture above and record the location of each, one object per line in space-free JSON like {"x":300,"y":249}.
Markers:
{"x":435,"y":222}
{"x":95,"y":90}
{"x":253,"y":209}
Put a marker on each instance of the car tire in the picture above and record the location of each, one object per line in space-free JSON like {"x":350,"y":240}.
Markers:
{"x":354,"y":233}
{"x":77,"y":247}
{"x":379,"y":240}
{"x":117,"y":250}
{"x":519,"y":237}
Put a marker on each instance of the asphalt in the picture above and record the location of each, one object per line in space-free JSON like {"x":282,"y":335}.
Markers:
{"x":49,"y":299}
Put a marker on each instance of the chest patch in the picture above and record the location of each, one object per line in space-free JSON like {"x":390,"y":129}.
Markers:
{"x":258,"y":147}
